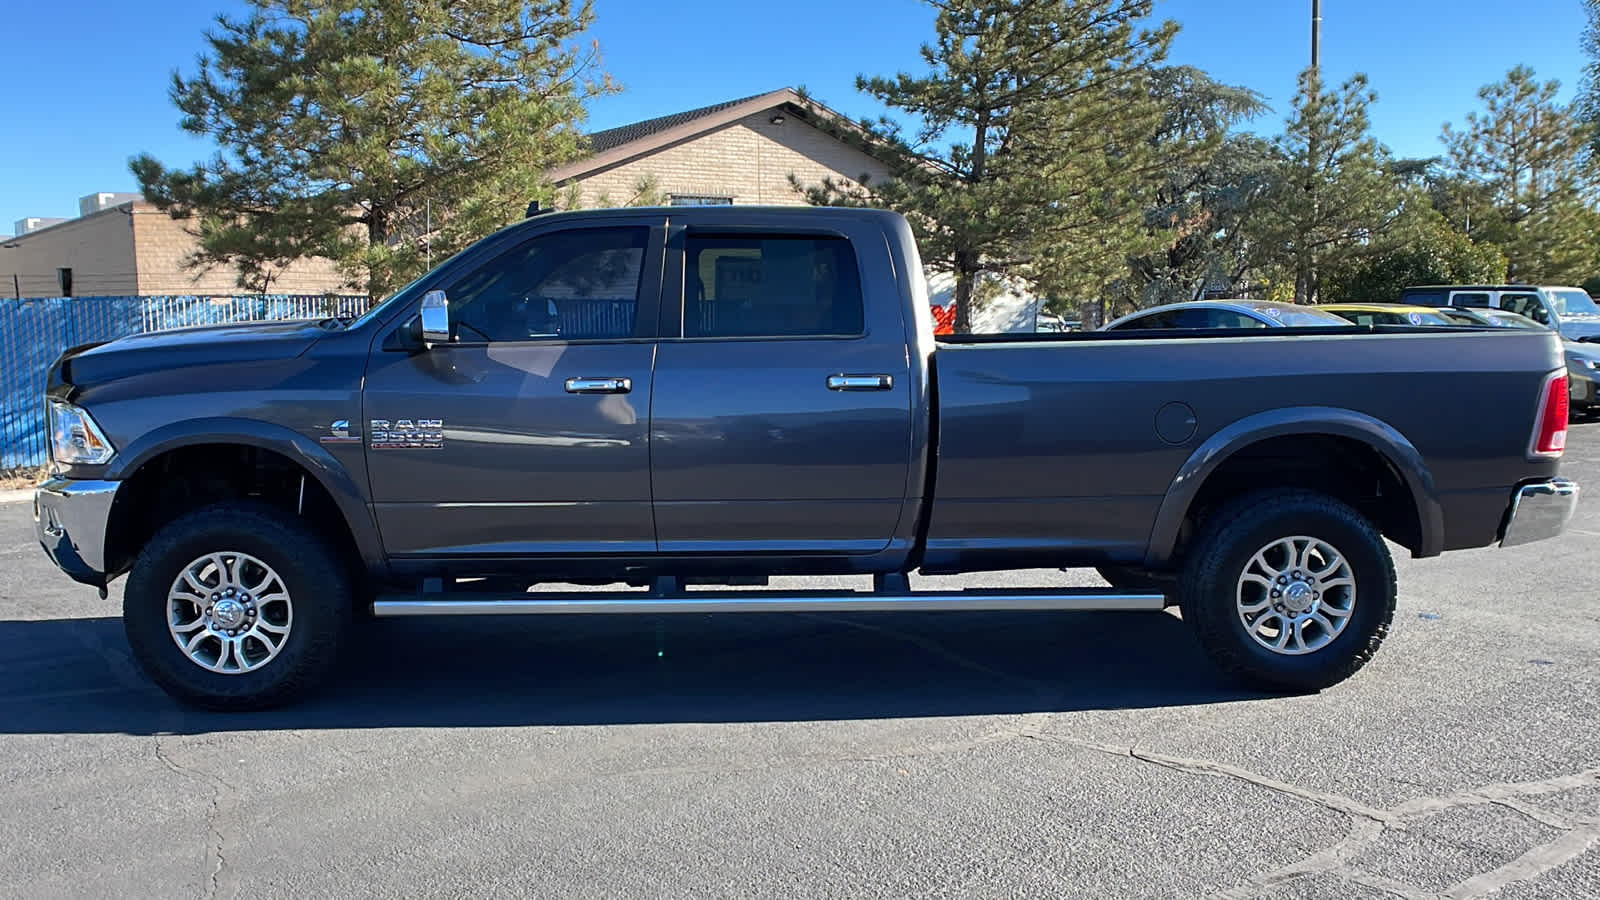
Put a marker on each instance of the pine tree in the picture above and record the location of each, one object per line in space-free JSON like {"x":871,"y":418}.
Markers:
{"x":1525,"y":152}
{"x":341,"y":122}
{"x":1032,"y":155}
{"x":1333,"y":196}
{"x":1422,"y":248}
{"x":1202,"y":205}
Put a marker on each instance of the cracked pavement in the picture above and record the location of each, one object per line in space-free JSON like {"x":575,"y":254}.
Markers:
{"x":1036,"y":755}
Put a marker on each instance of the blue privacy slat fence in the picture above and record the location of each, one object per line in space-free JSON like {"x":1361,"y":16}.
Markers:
{"x":33,"y":332}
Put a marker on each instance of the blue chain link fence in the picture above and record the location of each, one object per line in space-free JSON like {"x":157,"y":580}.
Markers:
{"x":34,"y":332}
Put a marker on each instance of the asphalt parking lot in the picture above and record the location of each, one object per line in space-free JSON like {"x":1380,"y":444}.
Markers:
{"x":1041,"y":755}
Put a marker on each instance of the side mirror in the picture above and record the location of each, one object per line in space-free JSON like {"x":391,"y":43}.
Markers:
{"x":435,"y":318}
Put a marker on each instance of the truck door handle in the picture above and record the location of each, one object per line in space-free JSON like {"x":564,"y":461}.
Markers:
{"x":599,"y":385}
{"x":860,"y":382}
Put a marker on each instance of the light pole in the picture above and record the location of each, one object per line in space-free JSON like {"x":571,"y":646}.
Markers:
{"x":1316,"y":33}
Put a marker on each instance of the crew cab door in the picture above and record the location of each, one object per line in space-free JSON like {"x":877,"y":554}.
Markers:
{"x":782,"y":404}
{"x":528,"y":433}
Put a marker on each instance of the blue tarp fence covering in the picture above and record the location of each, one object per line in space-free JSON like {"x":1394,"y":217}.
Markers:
{"x":34,"y":332}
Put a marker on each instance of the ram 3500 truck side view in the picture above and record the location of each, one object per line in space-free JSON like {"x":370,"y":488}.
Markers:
{"x":674,"y":399}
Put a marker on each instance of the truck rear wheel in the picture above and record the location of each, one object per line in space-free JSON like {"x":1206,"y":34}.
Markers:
{"x":236,"y":606}
{"x":1289,"y":590}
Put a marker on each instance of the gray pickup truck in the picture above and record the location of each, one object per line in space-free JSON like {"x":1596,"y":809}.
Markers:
{"x":682,"y":403}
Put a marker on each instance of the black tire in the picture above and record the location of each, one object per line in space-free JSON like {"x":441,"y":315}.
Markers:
{"x":1224,"y":547}
{"x":317,"y":581}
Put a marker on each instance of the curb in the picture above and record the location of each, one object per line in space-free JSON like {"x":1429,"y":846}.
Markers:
{"x":16,"y":496}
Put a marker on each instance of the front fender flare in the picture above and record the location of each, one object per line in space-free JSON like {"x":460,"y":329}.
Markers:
{"x":1301,"y":420}
{"x":310,"y":455}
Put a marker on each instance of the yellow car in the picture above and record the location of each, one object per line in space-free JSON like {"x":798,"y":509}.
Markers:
{"x":1386,"y":314}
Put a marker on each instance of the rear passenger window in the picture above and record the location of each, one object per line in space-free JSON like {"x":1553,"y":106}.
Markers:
{"x":770,"y":286}
{"x":1427,"y":298}
{"x":1152,"y":321}
{"x":1480,"y":301}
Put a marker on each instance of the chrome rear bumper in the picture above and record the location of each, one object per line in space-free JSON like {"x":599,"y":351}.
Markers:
{"x":1539,"y":511}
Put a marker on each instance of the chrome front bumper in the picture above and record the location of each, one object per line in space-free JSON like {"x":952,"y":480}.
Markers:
{"x":1539,"y":511}
{"x":69,"y":518}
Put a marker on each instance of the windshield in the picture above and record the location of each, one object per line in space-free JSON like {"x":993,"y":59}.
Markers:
{"x":1501,"y":319}
{"x":1301,"y":318}
{"x":1573,"y":302}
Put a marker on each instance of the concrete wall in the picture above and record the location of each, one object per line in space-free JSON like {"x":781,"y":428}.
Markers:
{"x":98,"y":249}
{"x":749,"y":160}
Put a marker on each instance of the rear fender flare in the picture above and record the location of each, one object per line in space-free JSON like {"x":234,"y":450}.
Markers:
{"x":1301,"y":420}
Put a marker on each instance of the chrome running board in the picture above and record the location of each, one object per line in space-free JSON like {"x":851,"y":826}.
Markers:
{"x":981,"y":600}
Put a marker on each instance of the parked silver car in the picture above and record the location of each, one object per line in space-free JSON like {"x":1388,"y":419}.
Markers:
{"x":1226,"y":314}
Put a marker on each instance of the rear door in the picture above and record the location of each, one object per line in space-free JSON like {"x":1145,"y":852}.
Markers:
{"x":781,"y":418}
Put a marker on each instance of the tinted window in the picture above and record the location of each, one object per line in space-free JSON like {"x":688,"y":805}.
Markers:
{"x":1425,"y":298}
{"x":1165,"y":319}
{"x":580,"y":284}
{"x":1525,"y":305}
{"x":1480,"y":300}
{"x":1227,"y":318}
{"x":770,"y":286}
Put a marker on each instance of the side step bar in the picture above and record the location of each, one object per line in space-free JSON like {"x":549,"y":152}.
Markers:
{"x":979,"y":600}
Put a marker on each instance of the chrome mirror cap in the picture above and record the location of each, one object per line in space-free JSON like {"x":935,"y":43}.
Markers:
{"x":435,"y":318}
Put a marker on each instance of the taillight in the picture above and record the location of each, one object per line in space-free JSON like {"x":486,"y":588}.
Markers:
{"x":1550,"y":430}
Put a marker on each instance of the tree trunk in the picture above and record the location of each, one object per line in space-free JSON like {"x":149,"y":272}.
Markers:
{"x":964,"y":285}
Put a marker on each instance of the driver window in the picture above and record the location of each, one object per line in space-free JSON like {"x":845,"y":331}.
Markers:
{"x":570,"y":285}
{"x":1526,"y":305}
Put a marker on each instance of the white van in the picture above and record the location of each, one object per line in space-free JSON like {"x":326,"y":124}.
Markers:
{"x":1569,"y":310}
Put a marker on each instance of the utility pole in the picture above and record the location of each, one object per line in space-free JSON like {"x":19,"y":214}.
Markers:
{"x":1316,"y":34}
{"x":1306,"y":277}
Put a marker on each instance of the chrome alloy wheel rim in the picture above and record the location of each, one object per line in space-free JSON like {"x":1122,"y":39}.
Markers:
{"x":229,"y":612}
{"x":1296,"y":595}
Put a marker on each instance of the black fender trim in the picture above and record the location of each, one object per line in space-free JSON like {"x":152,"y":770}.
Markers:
{"x":1301,"y":420}
{"x":310,"y":455}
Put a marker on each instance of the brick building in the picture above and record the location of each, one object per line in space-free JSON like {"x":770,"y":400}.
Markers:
{"x":742,"y":151}
{"x":130,"y":248}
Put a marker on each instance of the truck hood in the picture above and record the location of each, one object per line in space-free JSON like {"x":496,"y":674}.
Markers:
{"x":184,"y":347}
{"x":1579,"y":325}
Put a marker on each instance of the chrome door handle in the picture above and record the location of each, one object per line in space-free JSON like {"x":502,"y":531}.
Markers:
{"x":599,"y":385}
{"x":860,"y":382}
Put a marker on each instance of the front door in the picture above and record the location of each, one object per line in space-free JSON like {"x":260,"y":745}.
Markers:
{"x":782,"y":404}
{"x":528,"y":434}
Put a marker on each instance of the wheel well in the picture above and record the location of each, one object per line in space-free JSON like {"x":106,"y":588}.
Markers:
{"x":187,"y":478}
{"x":1347,"y":469}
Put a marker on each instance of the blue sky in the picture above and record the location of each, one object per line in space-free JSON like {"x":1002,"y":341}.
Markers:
{"x":85,"y":82}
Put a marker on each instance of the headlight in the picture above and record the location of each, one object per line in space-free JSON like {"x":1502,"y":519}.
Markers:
{"x":75,"y":439}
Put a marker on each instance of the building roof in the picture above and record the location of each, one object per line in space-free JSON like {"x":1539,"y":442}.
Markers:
{"x":601,"y":141}
{"x":617,"y":145}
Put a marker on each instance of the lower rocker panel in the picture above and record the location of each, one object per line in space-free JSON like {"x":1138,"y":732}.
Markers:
{"x":1090,"y":600}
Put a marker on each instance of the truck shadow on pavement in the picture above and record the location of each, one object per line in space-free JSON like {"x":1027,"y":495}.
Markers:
{"x":75,"y":675}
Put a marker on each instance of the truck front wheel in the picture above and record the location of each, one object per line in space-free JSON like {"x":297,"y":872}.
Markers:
{"x":1289,"y":590}
{"x":236,"y":606}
